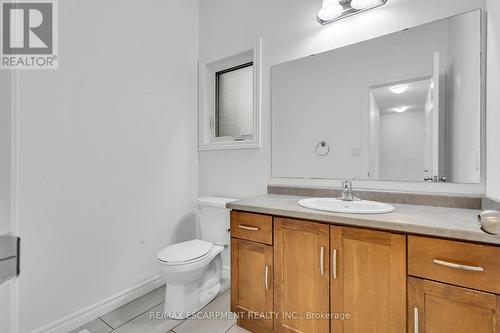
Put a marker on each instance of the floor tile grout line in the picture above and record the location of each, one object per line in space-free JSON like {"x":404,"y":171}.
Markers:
{"x":177,"y":325}
{"x":219,"y":295}
{"x":230,"y":328}
{"x":102,"y":319}
{"x":117,"y":327}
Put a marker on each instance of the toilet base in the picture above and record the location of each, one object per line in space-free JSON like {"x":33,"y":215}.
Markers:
{"x":182,"y":301}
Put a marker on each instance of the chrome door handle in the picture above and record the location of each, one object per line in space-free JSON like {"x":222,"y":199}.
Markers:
{"x":415,"y":320}
{"x":322,"y":260}
{"x":246,"y":227}
{"x":458,"y":266}
{"x":266,"y":278}
{"x":334,"y":263}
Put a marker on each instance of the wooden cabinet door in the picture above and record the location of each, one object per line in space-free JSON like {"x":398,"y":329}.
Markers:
{"x":368,"y":282}
{"x":435,"y":307}
{"x":301,"y":280}
{"x":252,"y":284}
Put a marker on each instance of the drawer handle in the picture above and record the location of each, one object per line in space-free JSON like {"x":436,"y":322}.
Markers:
{"x":266,"y":278}
{"x":246,"y":227}
{"x":458,"y":266}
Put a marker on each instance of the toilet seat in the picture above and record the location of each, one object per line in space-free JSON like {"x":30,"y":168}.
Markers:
{"x":185,"y":252}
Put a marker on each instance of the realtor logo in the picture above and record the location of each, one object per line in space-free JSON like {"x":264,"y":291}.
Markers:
{"x":29,"y":34}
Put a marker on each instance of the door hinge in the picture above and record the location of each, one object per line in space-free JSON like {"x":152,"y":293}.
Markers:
{"x":9,"y":257}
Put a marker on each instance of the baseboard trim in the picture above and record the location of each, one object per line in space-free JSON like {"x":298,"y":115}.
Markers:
{"x":92,"y":312}
{"x":226,"y":272}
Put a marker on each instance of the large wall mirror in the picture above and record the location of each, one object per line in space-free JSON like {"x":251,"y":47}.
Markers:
{"x":402,"y":107}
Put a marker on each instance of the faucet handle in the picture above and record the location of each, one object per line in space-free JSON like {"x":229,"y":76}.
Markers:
{"x":347,"y":181}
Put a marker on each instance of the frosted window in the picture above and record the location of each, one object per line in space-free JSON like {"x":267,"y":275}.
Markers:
{"x":234,"y":103}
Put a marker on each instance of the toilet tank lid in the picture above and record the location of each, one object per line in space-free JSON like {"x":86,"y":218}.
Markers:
{"x":218,"y":202}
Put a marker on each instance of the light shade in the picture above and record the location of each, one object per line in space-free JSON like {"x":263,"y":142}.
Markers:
{"x":333,"y":10}
{"x":330,"y":10}
{"x":365,"y":4}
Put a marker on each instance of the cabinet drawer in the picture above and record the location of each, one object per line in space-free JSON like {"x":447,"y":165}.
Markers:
{"x":253,"y":227}
{"x":463,"y":264}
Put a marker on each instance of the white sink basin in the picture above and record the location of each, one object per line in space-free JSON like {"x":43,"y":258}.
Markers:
{"x":346,"y":207}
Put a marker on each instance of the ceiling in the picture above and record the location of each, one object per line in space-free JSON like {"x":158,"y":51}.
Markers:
{"x":414,"y":97}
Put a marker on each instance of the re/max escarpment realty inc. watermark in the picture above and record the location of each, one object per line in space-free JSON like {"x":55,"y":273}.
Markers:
{"x":29,"y":34}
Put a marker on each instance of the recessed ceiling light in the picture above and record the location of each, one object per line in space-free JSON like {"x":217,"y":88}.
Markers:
{"x":401,"y":109}
{"x":399,"y":89}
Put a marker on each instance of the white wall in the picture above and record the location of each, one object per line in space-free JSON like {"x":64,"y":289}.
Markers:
{"x":107,"y":153}
{"x":5,"y":188}
{"x":289,"y":30}
{"x":5,"y":150}
{"x":402,"y":145}
{"x":493,"y":100}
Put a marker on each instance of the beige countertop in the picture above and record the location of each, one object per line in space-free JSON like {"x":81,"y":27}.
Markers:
{"x":453,"y":223}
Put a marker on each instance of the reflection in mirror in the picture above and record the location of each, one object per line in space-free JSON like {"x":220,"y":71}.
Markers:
{"x":401,"y":130}
{"x":402,"y":107}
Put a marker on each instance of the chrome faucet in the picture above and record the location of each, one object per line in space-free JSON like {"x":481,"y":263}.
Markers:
{"x":347,"y":194}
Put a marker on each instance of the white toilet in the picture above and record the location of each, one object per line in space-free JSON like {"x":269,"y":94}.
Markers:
{"x":192,"y":270}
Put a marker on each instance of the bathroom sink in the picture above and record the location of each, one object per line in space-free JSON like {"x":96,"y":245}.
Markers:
{"x":346,"y":207}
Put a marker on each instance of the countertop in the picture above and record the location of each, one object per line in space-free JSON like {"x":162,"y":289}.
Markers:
{"x":453,"y":223}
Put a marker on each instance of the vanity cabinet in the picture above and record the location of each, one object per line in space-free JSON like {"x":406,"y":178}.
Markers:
{"x":368,"y":280}
{"x":252,"y":289}
{"x":252,"y":284}
{"x":464,"y":264}
{"x":435,"y":307}
{"x":302,"y":276}
{"x":290,"y":275}
{"x":253,"y":227}
{"x":454,"y":286}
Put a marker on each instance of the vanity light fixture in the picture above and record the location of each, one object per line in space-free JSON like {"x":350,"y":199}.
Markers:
{"x":399,"y":89}
{"x":401,"y":109}
{"x":330,"y":10}
{"x":333,"y":10}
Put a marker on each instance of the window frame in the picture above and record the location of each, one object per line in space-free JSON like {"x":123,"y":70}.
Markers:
{"x":208,"y":94}
{"x":217,"y":83}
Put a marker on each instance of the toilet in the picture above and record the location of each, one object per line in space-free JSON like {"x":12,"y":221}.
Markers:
{"x":192,"y":270}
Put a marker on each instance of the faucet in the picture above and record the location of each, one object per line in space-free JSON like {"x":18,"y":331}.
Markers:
{"x":347,"y":194}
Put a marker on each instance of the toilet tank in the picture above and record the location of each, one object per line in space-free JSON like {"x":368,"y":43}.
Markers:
{"x":213,"y":219}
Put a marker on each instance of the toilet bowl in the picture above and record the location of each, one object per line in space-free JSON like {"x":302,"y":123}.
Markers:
{"x":192,"y":270}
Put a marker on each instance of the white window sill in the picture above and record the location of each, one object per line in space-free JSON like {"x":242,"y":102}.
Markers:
{"x":245,"y":144}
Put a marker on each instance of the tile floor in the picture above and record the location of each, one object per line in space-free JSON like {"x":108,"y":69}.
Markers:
{"x":134,"y":317}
